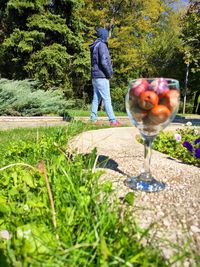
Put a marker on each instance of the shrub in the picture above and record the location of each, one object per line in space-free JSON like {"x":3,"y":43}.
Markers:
{"x":22,"y":98}
{"x":188,"y":107}
{"x":118,"y":98}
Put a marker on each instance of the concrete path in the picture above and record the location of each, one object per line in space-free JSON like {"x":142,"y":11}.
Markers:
{"x":175,"y":212}
{"x":28,"y":124}
{"x":7,"y":122}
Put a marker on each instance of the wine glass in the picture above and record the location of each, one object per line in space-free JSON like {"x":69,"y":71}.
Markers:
{"x":151,"y":105}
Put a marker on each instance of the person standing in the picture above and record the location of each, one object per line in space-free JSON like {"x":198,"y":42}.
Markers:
{"x":101,"y":72}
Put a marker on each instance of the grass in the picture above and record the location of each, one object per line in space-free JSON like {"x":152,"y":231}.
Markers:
{"x":188,"y":115}
{"x":86,"y":113}
{"x":86,"y":228}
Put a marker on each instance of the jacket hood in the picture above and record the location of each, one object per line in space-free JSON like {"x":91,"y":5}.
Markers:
{"x":102,"y":34}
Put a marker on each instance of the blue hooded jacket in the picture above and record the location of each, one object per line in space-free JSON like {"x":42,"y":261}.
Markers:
{"x":101,"y":66}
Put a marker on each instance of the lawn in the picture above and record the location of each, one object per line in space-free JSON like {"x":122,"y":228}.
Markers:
{"x":86,"y":113}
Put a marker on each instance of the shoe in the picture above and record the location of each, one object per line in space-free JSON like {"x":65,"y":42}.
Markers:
{"x":115,"y":124}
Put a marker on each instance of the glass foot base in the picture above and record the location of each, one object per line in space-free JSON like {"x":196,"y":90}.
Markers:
{"x":152,"y":185}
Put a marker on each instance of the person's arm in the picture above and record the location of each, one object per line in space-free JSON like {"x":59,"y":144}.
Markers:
{"x":105,"y":60}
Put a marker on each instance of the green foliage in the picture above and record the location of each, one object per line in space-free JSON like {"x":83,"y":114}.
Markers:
{"x":48,"y":66}
{"x":56,"y":27}
{"x":191,"y":35}
{"x":189,"y":107}
{"x":118,"y":98}
{"x":86,"y":112}
{"x":167,"y":143}
{"x":41,"y":42}
{"x":92,"y":231}
{"x":129,"y":198}
{"x":22,"y":98}
{"x":23,"y":6}
{"x":26,"y":42}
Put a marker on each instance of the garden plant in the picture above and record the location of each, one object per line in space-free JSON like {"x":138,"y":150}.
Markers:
{"x":184,"y":144}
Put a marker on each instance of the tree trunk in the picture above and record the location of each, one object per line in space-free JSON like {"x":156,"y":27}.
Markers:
{"x":196,"y":106}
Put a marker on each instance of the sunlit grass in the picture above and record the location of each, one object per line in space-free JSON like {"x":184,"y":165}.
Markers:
{"x":86,"y":113}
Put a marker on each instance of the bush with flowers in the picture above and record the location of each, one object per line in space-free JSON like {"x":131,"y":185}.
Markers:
{"x":184,"y":144}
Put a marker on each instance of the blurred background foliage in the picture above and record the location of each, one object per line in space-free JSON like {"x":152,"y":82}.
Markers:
{"x":47,"y":41}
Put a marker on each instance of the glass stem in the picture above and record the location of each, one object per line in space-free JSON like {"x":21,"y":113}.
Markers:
{"x":146,"y":172}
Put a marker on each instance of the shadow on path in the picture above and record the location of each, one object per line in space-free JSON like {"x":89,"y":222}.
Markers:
{"x":108,"y":163}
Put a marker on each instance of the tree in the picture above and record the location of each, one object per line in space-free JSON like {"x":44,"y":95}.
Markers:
{"x":41,"y":40}
{"x":191,"y":35}
{"x":191,"y":47}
